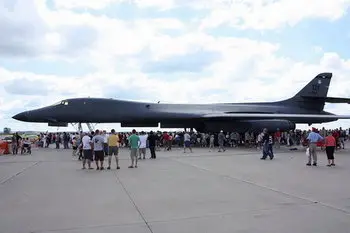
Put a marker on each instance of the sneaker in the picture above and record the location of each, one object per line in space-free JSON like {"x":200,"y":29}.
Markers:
{"x":97,"y":168}
{"x":314,"y":164}
{"x":108,"y":168}
{"x":118,"y":168}
{"x":102,"y":168}
{"x":308,"y":164}
{"x":135,"y":166}
{"x":130,"y":167}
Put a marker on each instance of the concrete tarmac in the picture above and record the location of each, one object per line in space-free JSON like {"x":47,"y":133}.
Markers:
{"x":202,"y":192}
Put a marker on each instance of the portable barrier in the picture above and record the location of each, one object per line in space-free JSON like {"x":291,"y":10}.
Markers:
{"x":4,"y":148}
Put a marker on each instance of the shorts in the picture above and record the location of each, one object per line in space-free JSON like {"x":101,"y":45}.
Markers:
{"x":143,"y":151}
{"x":187,"y":143}
{"x":133,"y":153}
{"x":88,"y":154}
{"x":113,"y":150}
{"x":99,"y":155}
{"x":75,"y":147}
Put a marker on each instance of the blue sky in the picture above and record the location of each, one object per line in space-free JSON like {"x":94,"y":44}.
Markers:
{"x":298,"y":42}
{"x":78,"y":48}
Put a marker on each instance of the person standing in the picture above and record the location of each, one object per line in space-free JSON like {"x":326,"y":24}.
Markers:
{"x":278,"y":138}
{"x":134,"y":142}
{"x":15,"y":143}
{"x":143,"y":144}
{"x":152,"y":138}
{"x":267,"y":145}
{"x":87,"y":150}
{"x":74,"y":146}
{"x":313,"y":138}
{"x":105,"y":143}
{"x":221,"y":141}
{"x":113,"y":148}
{"x":170,"y":141}
{"x":187,"y":141}
{"x":330,"y":144}
{"x":98,"y":150}
{"x":58,"y":140}
{"x":211,"y":142}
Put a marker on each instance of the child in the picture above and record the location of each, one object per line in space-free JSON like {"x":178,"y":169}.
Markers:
{"x":211,"y":142}
{"x":75,"y":146}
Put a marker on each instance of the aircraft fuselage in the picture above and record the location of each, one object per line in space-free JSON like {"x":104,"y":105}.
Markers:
{"x":140,"y":114}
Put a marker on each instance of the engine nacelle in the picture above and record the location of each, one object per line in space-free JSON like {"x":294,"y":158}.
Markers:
{"x":248,"y":125}
{"x":58,"y":124}
{"x":139,"y":124}
{"x":270,"y":125}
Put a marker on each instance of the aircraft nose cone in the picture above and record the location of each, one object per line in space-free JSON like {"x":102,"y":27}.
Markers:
{"x":23,"y":116}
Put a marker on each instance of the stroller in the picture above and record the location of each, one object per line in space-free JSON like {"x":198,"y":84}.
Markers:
{"x":26,"y":147}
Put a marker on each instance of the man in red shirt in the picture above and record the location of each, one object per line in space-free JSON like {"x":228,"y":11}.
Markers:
{"x":165,"y":140}
{"x":278,"y":138}
{"x":336,"y":135}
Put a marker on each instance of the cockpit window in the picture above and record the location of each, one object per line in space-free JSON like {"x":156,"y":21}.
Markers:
{"x":58,"y":103}
{"x":64,"y":102}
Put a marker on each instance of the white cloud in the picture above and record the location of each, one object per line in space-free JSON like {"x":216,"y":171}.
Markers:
{"x":256,"y":14}
{"x":91,"y":4}
{"x":271,"y":14}
{"x":247,"y":69}
{"x":101,"y":4}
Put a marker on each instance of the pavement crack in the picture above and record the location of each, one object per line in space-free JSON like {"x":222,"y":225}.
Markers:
{"x":133,"y":202}
{"x":18,"y":173}
{"x":267,"y":188}
{"x":87,"y":227}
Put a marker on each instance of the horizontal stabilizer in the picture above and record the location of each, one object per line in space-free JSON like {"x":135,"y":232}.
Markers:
{"x":334,"y":100}
{"x":275,"y":116}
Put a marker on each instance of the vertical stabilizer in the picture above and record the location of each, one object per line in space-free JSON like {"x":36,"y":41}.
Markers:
{"x":314,"y":94}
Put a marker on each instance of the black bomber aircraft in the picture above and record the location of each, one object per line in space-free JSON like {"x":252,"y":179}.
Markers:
{"x":306,"y":107}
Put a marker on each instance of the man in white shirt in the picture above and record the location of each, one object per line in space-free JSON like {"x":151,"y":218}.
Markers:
{"x":98,"y":140}
{"x":87,"y":150}
{"x":187,"y":141}
{"x":143,"y":145}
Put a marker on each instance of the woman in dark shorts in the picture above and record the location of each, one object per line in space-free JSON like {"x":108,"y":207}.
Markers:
{"x":330,"y":144}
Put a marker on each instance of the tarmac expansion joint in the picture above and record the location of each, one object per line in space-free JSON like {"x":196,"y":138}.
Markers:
{"x":6,"y":180}
{"x":268,"y":188}
{"x":133,"y":202}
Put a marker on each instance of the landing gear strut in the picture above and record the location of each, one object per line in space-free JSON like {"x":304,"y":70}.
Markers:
{"x":80,"y":127}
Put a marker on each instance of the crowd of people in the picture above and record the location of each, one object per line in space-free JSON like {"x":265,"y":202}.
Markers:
{"x":20,"y":144}
{"x":96,"y":145}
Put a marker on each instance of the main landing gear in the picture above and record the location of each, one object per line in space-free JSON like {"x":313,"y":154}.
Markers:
{"x":79,"y":127}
